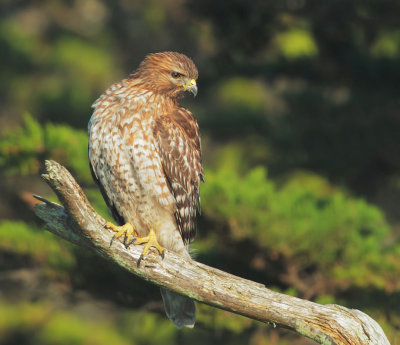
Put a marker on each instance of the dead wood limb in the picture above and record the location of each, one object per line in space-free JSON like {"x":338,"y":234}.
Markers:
{"x":78,"y":222}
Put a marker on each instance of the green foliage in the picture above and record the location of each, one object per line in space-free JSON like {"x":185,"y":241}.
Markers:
{"x":22,"y":150}
{"x":80,"y":59}
{"x":66,"y":328}
{"x":155,"y":15}
{"x":241,"y":105}
{"x":226,"y":157}
{"x":21,"y":318}
{"x":387,"y":45}
{"x":222,"y":320}
{"x":42,"y":324}
{"x":243,"y":93}
{"x":45,"y":323}
{"x":141,"y":326}
{"x":19,"y":46}
{"x":85,"y":70}
{"x":65,"y":144}
{"x":296,"y":43}
{"x":57,"y":79}
{"x":42,"y":248}
{"x":303,"y":213}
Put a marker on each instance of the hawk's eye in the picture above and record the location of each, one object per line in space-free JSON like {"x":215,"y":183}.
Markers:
{"x":176,"y":75}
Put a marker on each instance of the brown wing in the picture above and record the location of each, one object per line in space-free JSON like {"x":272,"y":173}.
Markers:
{"x":178,"y":143}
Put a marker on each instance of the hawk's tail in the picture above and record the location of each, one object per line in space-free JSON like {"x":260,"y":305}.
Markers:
{"x":179,"y":309}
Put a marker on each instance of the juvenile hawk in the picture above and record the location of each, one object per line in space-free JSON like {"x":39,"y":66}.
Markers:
{"x":144,"y":153}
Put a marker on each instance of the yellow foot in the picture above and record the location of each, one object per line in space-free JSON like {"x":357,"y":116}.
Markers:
{"x":126,"y":230}
{"x":151,"y":241}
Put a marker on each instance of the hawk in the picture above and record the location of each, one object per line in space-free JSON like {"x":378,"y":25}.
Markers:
{"x":145,"y":155}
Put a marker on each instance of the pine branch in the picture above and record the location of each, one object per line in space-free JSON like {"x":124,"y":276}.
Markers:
{"x":78,"y":222}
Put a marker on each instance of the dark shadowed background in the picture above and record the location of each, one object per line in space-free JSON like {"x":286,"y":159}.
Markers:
{"x":299,"y":112}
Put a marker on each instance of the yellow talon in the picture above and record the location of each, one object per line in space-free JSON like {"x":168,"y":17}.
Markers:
{"x":151,"y":241}
{"x":126,"y":229}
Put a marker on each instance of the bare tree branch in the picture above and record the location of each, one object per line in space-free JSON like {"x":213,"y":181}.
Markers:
{"x":78,"y":222}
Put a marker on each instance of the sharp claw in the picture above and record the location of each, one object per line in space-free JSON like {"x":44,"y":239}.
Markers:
{"x":126,"y":230}
{"x":130,"y":242}
{"x":163,"y":254}
{"x":125,"y":240}
{"x":112,"y":240}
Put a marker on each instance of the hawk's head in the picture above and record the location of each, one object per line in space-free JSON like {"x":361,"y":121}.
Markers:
{"x":168,"y":73}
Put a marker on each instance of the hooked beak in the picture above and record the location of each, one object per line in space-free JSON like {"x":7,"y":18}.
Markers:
{"x":191,"y":86}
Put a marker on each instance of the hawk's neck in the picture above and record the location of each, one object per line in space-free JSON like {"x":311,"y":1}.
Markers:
{"x":133,"y":98}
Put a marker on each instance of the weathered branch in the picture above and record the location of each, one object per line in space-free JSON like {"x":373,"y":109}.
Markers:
{"x":79,"y":223}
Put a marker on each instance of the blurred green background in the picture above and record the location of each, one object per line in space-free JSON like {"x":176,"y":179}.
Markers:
{"x":299,"y":112}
